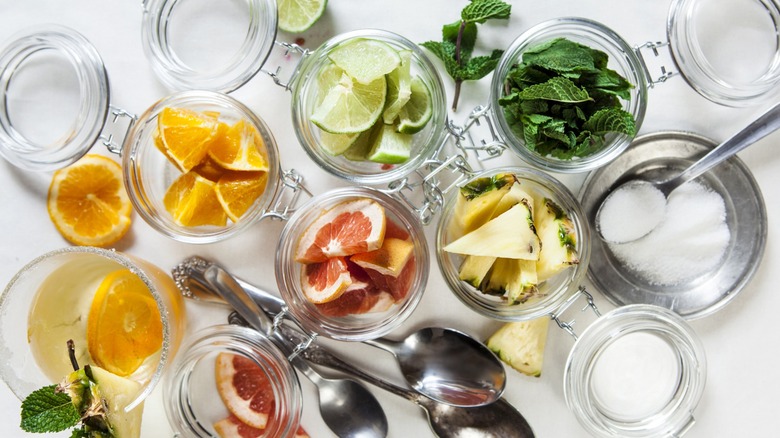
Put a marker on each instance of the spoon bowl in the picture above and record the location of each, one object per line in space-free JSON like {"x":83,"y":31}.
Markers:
{"x":641,"y":203}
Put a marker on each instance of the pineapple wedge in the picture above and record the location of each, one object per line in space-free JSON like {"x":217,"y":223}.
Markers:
{"x":118,"y":393}
{"x":477,"y":201}
{"x":521,"y":344}
{"x":559,"y":241}
{"x":514,"y":278}
{"x":509,"y":235}
{"x":474,"y":269}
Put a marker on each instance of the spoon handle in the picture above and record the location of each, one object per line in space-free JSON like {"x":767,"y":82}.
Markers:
{"x":227,"y":287}
{"x":764,"y":125}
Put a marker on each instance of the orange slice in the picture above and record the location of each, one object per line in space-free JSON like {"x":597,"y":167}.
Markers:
{"x":325,"y":281}
{"x":240,"y":148}
{"x":124,"y":326}
{"x":350,"y":227}
{"x":237,"y":191}
{"x":87,"y":202}
{"x":244,"y":388}
{"x":192,"y":201}
{"x":186,"y":135}
{"x":209,"y":169}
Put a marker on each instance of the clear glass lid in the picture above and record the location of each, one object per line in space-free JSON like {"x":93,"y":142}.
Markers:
{"x":638,"y":371}
{"x":54,"y":100}
{"x":196,"y":45}
{"x":729,"y":52}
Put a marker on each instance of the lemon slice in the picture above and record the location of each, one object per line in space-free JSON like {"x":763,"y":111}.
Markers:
{"x":351,"y":107}
{"x":296,"y":16}
{"x":365,"y":60}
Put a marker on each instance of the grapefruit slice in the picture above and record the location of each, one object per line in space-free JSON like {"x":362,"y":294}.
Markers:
{"x":351,"y":227}
{"x":359,"y":297}
{"x":389,"y":259}
{"x":394,"y":230}
{"x":232,"y":427}
{"x":398,"y":286}
{"x":244,"y":389}
{"x":325,"y":281}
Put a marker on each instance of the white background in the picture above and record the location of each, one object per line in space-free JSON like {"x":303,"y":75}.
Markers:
{"x":741,"y":340}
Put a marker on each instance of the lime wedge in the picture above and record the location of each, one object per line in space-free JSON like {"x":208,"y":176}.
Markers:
{"x":417,"y":112}
{"x":295,"y":16}
{"x":328,"y":77}
{"x":398,"y":87}
{"x":365,"y":60}
{"x":390,"y":146}
{"x":359,"y":150}
{"x":335,"y":144}
{"x":351,"y":107}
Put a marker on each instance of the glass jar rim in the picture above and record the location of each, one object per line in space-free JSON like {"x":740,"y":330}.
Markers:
{"x":125,"y":261}
{"x":94,"y":102}
{"x":697,"y":71}
{"x":676,"y":415}
{"x":551,"y":28}
{"x":176,"y":75}
{"x":242,"y":341}
{"x":133,"y":178}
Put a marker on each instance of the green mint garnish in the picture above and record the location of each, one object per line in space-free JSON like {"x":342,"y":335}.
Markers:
{"x":46,"y":410}
{"x":458,"y":40}
{"x":562,"y":100}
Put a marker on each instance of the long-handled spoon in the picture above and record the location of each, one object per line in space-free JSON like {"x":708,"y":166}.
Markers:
{"x":441,"y":363}
{"x":645,"y":201}
{"x":499,"y":419}
{"x":347,"y":407}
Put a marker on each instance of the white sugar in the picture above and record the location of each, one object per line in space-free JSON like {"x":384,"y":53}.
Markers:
{"x":630,"y":212}
{"x":690,"y":241}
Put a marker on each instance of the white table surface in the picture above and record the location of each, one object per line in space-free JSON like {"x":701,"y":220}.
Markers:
{"x":741,"y":340}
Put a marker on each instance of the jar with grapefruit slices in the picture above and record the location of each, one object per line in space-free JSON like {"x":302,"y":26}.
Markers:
{"x":233,"y":381}
{"x":352,"y":264}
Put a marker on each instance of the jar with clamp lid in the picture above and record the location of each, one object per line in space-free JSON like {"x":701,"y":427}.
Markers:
{"x":729,"y":71}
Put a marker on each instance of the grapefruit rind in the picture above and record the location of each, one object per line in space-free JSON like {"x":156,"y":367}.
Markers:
{"x":238,"y":406}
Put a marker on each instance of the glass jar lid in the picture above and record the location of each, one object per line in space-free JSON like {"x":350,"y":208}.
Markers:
{"x":50,"y":75}
{"x":638,"y":371}
{"x":729,"y":52}
{"x":195,"y":45}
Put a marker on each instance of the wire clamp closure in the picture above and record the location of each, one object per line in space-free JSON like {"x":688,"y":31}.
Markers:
{"x":118,"y":126}
{"x":665,"y":72}
{"x":484,"y":149}
{"x":288,"y":196}
{"x":289,"y":50}
{"x":569,"y":325}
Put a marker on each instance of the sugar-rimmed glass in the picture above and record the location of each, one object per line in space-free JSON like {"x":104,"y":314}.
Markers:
{"x":352,"y":327}
{"x":305,"y":91}
{"x":58,"y":274}
{"x":190,"y":392}
{"x":148,"y":173}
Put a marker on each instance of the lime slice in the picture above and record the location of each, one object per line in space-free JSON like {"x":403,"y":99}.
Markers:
{"x":351,"y":107}
{"x":390,"y":146}
{"x":295,"y":16}
{"x":359,"y":150}
{"x":417,"y":112}
{"x":327,"y":78}
{"x":335,"y":144}
{"x":398,"y":87}
{"x":365,"y":60}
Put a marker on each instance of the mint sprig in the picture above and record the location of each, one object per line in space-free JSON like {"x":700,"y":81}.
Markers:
{"x":458,"y":41}
{"x":46,"y":410}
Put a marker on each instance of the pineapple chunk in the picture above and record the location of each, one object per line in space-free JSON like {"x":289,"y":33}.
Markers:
{"x":477,"y":201}
{"x":559,"y":241}
{"x":521,"y":344}
{"x":509,"y":235}
{"x":514,"y":277}
{"x":515,"y":195}
{"x":118,"y":393}
{"x":475,"y":268}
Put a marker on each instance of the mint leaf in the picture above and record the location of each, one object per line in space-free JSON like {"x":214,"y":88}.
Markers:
{"x":445,"y":51}
{"x":481,"y":66}
{"x":479,"y":11}
{"x":611,"y":120}
{"x":468,"y":37}
{"x":563,"y":56}
{"x":48,"y":411}
{"x":557,"y":89}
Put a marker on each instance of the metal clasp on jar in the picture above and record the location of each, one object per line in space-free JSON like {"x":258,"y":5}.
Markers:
{"x":288,"y":197}
{"x":654,"y":47}
{"x":289,"y":50}
{"x":116,"y":128}
{"x":568,"y":326}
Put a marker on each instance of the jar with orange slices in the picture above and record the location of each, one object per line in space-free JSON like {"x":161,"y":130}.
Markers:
{"x":124,"y":316}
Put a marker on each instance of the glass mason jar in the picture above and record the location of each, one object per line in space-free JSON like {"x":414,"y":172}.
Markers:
{"x":388,"y":312}
{"x":305,"y":91}
{"x":76,"y":116}
{"x":39,"y":307}
{"x":551,"y":293}
{"x":148,"y":173}
{"x":191,"y":398}
{"x":637,"y":371}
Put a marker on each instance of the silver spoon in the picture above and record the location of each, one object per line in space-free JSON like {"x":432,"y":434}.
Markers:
{"x":650,"y":196}
{"x":499,"y":419}
{"x":347,"y":407}
{"x":444,"y":364}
